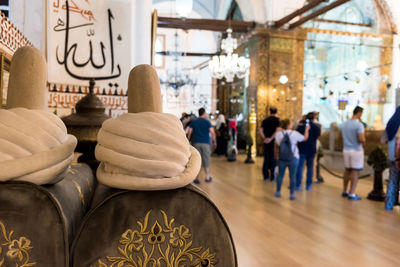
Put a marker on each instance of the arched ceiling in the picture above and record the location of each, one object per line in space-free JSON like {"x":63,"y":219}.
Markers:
{"x":265,"y":11}
{"x":268,"y":11}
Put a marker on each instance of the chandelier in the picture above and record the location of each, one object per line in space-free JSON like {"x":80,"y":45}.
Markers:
{"x":177,"y":77}
{"x":230,"y":64}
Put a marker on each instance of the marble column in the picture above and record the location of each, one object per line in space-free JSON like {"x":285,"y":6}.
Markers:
{"x":141,"y":32}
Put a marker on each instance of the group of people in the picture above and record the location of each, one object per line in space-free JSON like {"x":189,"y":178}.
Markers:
{"x":293,"y":149}
{"x":290,"y":149}
{"x":285,"y":148}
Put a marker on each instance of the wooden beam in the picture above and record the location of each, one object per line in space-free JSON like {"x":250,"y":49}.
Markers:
{"x":205,"y":24}
{"x":317,"y":13}
{"x":343,"y":22}
{"x":298,"y":12}
{"x":188,"y":54}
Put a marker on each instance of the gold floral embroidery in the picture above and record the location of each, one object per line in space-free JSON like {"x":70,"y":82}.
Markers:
{"x":178,"y":236}
{"x":17,"y":249}
{"x":166,"y":246}
{"x":132,"y":239}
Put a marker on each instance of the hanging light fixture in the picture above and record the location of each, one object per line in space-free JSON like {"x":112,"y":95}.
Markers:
{"x":176,"y":77}
{"x":230,"y":64}
{"x":283,"y":79}
{"x":362,"y":66}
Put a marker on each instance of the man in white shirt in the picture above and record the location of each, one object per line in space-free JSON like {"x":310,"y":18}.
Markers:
{"x":353,"y":153}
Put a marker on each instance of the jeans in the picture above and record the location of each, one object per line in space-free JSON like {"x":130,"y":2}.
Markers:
{"x":269,"y":161}
{"x":292,"y":165}
{"x":392,"y":194}
{"x":310,"y":169}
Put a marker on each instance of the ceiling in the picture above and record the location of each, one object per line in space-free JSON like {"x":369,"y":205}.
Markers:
{"x":267,"y":11}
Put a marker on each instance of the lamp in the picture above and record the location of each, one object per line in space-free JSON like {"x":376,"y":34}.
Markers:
{"x":230,"y":64}
{"x":362,"y":66}
{"x":283,"y":79}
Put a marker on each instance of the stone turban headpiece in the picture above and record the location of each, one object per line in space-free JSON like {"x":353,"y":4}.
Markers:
{"x":145,"y":149}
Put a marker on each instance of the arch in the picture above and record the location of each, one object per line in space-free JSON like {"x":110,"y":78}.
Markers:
{"x":385,"y":17}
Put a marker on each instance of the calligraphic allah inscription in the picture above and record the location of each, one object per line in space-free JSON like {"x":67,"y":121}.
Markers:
{"x":89,"y":40}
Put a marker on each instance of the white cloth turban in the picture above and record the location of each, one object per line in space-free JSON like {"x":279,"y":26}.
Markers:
{"x":34,"y":146}
{"x":145,"y":151}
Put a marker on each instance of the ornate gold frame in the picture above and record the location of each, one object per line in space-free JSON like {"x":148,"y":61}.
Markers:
{"x":4,"y":67}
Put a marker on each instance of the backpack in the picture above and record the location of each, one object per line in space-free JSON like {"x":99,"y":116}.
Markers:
{"x":285,"y":149}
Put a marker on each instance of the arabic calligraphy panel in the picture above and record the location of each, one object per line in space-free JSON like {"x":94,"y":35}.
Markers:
{"x":89,"y":39}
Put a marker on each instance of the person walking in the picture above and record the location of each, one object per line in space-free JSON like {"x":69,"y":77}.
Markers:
{"x":183,"y":116}
{"x":268,"y":130}
{"x":307,"y":150}
{"x":353,"y":153}
{"x":201,"y":129}
{"x":287,"y":154}
{"x":186,"y":121}
{"x":222,"y":135}
{"x":393,"y":140}
{"x":317,"y":174}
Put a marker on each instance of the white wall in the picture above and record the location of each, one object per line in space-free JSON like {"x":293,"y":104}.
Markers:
{"x":252,"y":10}
{"x":28,"y":17}
{"x":263,"y":11}
{"x":395,"y":8}
{"x":390,"y":108}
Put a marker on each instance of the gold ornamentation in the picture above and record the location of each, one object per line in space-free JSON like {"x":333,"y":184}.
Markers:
{"x":89,"y":185}
{"x":79,"y":189}
{"x":159,"y":244}
{"x":283,"y":45}
{"x":16,"y":250}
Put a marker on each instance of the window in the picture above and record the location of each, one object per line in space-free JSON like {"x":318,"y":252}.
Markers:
{"x":159,"y":60}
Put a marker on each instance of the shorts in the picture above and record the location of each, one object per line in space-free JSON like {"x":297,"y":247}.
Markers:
{"x":205,"y":152}
{"x":353,"y":159}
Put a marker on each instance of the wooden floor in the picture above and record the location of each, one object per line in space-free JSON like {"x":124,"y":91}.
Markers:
{"x":319,"y":228}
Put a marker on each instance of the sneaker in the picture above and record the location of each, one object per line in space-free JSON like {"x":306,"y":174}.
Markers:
{"x":388,"y":207}
{"x":277,"y":194}
{"x":345,"y":194}
{"x":196,"y":181}
{"x":297,"y":188}
{"x":354,"y":197}
{"x":292,"y":197}
{"x":308,"y":187}
{"x":209,"y":179}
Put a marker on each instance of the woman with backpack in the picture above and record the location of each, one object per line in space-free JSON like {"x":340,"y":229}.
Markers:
{"x":287,"y":154}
